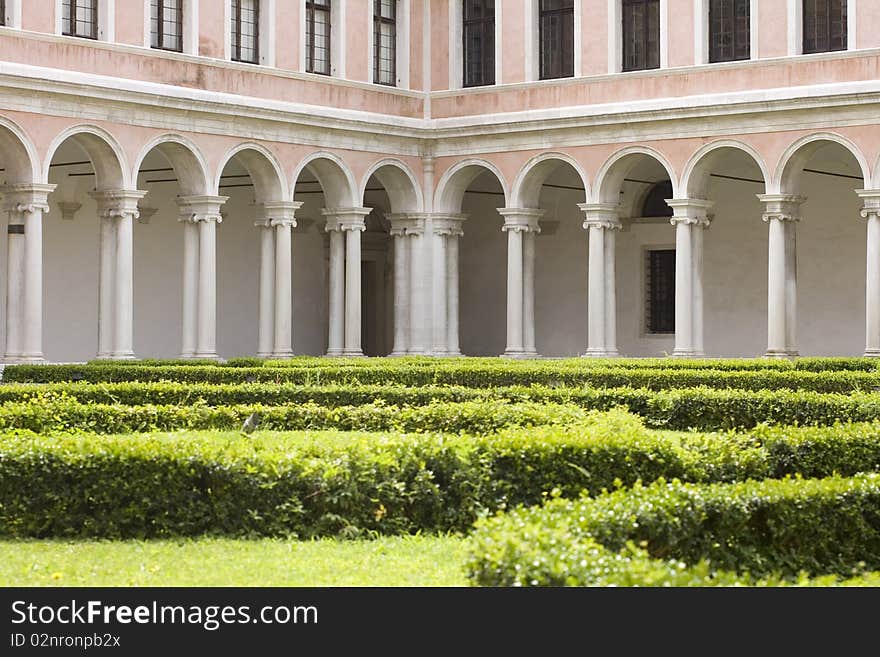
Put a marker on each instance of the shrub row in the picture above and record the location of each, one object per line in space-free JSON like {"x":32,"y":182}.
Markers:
{"x":676,"y":533}
{"x":64,"y":415}
{"x":467,"y":375}
{"x":320,"y":483}
{"x":382,"y":408}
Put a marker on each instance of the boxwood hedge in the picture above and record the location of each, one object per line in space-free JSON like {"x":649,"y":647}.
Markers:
{"x":677,"y":533}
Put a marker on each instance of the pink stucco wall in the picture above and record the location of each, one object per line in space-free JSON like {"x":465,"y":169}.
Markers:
{"x":439,"y":44}
{"x":773,"y":25}
{"x":594,"y":51}
{"x":359,"y":23}
{"x":128,"y":28}
{"x":680,"y":32}
{"x":416,"y":43}
{"x":513,"y":49}
{"x":38,"y":15}
{"x":287,"y":49}
{"x":212,"y":28}
{"x":868,"y":24}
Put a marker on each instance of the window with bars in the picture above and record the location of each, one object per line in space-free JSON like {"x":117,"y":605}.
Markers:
{"x":166,"y":24}
{"x":660,"y":291}
{"x":245,"y":25}
{"x":641,"y":34}
{"x":824,"y":25}
{"x":318,"y":36}
{"x":385,"y":42}
{"x":79,"y":18}
{"x":556,"y":38}
{"x":478,"y":35}
{"x":729,"y":30}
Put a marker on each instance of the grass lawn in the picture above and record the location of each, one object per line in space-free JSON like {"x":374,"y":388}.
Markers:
{"x":386,"y":561}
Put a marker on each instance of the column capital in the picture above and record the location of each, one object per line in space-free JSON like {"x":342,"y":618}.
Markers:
{"x":26,"y":197}
{"x":118,"y":203}
{"x":521,"y":220}
{"x":345,"y":218}
{"x":200,"y":208}
{"x":781,"y":207}
{"x":279,"y":213}
{"x":601,"y":215}
{"x":871,"y":200}
{"x":407,"y":223}
{"x":692,"y":211}
{"x":448,"y":224}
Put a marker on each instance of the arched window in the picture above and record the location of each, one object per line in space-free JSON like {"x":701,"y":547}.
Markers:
{"x":641,"y":34}
{"x":824,"y":25}
{"x":729,"y":30}
{"x":655,"y":204}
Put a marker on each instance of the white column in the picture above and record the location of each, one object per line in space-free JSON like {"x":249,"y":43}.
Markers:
{"x":419,"y":336}
{"x":353,"y":291}
{"x":190,"y":287}
{"x":401,"y":286}
{"x":204,"y":213}
{"x":517,"y":223}
{"x":781,"y":212}
{"x":351,"y":222}
{"x":106,"y":276}
{"x":266,"y":335}
{"x":529,"y":292}
{"x":336,"y":328}
{"x":610,"y":291}
{"x":281,"y":215}
{"x":689,"y":216}
{"x":452,"y":265}
{"x":871,"y":213}
{"x":117,"y":210}
{"x":601,"y":220}
{"x":27,"y":203}
{"x":14,"y":285}
{"x":439,"y":293}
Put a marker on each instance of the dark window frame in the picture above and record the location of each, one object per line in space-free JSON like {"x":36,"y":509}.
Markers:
{"x":660,"y":291}
{"x":70,"y":26}
{"x":485,"y":26}
{"x":378,"y":21}
{"x":160,"y":27}
{"x":561,"y":65}
{"x":626,"y":4}
{"x":323,"y":7}
{"x":729,"y":10}
{"x":3,"y":12}
{"x":235,"y":29}
{"x":826,"y":42}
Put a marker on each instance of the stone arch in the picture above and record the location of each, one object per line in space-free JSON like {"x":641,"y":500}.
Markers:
{"x":262,"y":166}
{"x":21,"y":160}
{"x":400,"y":184}
{"x":609,"y":179}
{"x":786,"y":179}
{"x":527,"y":186}
{"x":185,"y":158}
{"x":334,"y":176}
{"x":104,"y":152}
{"x":695,"y":176}
{"x":456,"y":179}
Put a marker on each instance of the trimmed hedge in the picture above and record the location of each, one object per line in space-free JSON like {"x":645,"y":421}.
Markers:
{"x":320,"y":483}
{"x":467,"y":375}
{"x":676,"y":533}
{"x":62,"y":415}
{"x":369,"y":407}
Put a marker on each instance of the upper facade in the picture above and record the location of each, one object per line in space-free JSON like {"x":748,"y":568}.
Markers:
{"x":450,"y":59}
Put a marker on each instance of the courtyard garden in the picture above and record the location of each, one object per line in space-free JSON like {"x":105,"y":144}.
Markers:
{"x":441,"y":472}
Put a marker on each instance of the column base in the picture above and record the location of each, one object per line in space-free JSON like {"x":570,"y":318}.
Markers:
{"x":124,"y":355}
{"x":872,"y":353}
{"x":454,"y":354}
{"x":599,"y":353}
{"x":264,"y":354}
{"x":31,"y":358}
{"x":398,"y":354}
{"x":206,"y":355}
{"x":353,"y":353}
{"x":104,"y":355}
{"x":287,"y":353}
{"x":779,"y":353}
{"x":682,"y":353}
{"x":508,"y":353}
{"x":334,"y":353}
